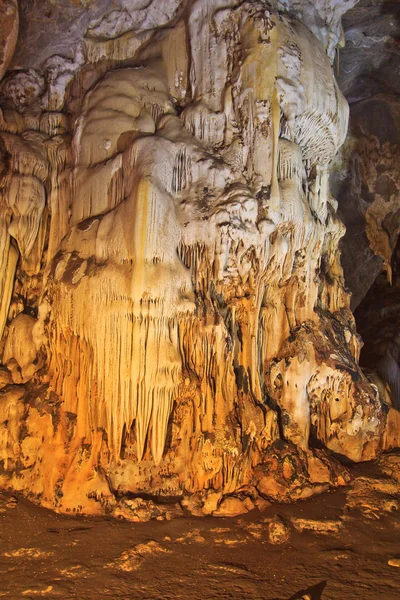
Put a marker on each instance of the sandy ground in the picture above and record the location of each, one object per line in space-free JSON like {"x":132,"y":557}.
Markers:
{"x":339,"y":546}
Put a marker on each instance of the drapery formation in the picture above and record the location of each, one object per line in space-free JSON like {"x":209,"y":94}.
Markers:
{"x":174,"y":313}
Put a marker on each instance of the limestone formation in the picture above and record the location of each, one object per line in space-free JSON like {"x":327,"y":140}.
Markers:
{"x":9,"y":20}
{"x":174,"y":317}
{"x":366,"y":178}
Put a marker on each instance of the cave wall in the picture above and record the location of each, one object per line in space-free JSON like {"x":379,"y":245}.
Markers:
{"x":174,"y":316}
{"x":366,"y":179}
{"x":367,"y":185}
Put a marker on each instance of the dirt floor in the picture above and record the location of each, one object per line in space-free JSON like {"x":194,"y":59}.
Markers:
{"x":341,"y":545}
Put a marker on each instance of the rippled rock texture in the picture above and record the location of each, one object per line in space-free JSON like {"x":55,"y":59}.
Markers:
{"x":175,"y":323}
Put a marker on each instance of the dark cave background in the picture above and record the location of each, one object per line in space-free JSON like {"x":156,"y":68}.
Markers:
{"x":367,"y":175}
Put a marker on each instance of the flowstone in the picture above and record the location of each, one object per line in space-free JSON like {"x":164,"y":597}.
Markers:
{"x":175,"y":323}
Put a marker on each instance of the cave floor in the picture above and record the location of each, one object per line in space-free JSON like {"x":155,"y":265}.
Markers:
{"x":340,"y":546}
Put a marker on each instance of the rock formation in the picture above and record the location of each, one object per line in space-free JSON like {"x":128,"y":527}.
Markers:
{"x":365,"y":180}
{"x":367,"y":185}
{"x":174,"y":317}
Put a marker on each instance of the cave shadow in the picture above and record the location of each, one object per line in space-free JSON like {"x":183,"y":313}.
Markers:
{"x":314,"y":592}
{"x":392,"y":7}
{"x":311,"y":593}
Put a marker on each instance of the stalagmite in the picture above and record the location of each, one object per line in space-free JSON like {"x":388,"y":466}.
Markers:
{"x":179,"y":326}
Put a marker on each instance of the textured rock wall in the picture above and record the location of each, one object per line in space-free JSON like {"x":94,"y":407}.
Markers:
{"x":366,"y":179}
{"x":175,"y":323}
{"x":367,"y":184}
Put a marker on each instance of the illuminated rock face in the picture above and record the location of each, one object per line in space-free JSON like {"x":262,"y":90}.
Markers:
{"x":178,"y":325}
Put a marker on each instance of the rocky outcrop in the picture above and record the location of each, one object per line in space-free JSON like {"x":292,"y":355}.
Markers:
{"x":175,"y":319}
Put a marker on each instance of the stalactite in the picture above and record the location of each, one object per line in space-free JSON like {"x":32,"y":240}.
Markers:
{"x":8,"y":265}
{"x":186,"y":328}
